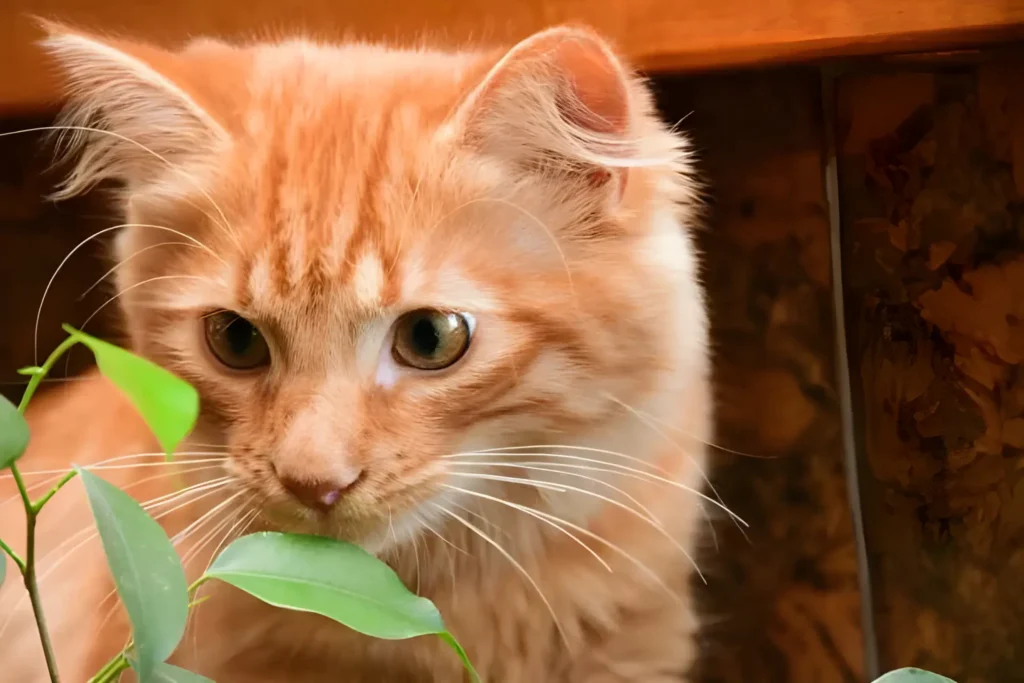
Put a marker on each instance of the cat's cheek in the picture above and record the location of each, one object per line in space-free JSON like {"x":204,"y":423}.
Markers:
{"x":387,"y":370}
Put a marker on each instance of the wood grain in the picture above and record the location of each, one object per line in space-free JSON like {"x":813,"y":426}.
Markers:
{"x":663,"y":35}
{"x":932,"y":175}
{"x":782,"y":600}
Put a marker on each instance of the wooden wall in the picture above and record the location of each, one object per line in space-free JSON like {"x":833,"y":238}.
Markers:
{"x":782,"y":602}
{"x":654,"y":34}
{"x":932,"y":175}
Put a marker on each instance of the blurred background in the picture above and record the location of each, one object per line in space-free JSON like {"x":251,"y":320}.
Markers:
{"x":865,"y":260}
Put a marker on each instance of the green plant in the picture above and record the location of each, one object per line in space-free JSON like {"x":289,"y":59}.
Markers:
{"x":306,"y":573}
{"x":912,"y":675}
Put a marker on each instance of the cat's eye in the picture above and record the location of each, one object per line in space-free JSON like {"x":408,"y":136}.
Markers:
{"x":429,"y":339}
{"x":235,"y":342}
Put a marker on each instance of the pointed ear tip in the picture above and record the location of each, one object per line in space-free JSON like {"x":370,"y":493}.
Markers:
{"x":577,"y":32}
{"x":59,"y":36}
{"x":56,"y":37}
{"x":51,"y":28}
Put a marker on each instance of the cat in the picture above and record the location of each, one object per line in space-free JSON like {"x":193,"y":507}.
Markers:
{"x":442,"y":304}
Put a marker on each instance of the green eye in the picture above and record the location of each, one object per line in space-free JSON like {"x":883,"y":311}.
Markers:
{"x":429,"y":339}
{"x":236,"y":342}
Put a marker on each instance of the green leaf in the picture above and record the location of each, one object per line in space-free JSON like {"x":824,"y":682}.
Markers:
{"x":454,"y":644}
{"x":912,"y":675}
{"x":168,"y":673}
{"x":14,"y":434}
{"x":3,"y":567}
{"x":332,"y":578}
{"x":146,"y":570}
{"x":168,"y":404}
{"x":338,"y":580}
{"x":31,"y":370}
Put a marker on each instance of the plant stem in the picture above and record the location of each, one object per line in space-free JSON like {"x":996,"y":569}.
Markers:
{"x":112,"y":669}
{"x":28,"y":567}
{"x":14,"y":556}
{"x":37,"y":604}
{"x":34,"y":383}
{"x":38,"y":505}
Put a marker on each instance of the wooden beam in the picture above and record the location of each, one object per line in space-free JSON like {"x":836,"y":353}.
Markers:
{"x":659,"y":35}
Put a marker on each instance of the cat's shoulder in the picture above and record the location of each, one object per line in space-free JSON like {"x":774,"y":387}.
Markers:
{"x":83,"y":420}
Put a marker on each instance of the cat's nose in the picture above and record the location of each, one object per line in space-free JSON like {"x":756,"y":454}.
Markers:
{"x":320,"y":494}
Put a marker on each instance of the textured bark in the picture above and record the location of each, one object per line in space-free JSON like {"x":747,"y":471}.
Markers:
{"x":782,"y":600}
{"x":932,"y":175}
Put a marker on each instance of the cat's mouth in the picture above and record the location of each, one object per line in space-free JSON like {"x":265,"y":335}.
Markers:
{"x":351,"y":523}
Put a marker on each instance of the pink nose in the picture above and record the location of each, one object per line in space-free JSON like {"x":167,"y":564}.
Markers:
{"x":320,"y":494}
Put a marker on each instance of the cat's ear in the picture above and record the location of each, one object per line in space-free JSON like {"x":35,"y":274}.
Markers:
{"x":135,"y":111}
{"x":558,"y":102}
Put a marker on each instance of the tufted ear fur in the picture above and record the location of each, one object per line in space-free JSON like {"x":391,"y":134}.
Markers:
{"x":149,"y":105}
{"x":559,"y":102}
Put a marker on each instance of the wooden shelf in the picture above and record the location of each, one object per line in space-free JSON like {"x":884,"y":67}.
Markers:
{"x":658,"y":35}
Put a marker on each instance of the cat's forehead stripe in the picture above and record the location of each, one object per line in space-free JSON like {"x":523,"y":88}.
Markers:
{"x":368,"y":281}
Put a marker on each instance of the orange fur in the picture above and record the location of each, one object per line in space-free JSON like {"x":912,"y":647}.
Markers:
{"x":321,"y":191}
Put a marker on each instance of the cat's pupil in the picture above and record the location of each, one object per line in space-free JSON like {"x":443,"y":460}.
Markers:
{"x":239,"y":335}
{"x":425,"y":337}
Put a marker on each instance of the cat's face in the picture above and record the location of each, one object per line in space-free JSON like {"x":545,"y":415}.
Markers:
{"x":370,"y":261}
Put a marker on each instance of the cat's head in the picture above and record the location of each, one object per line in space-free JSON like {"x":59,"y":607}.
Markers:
{"x":368,"y":260}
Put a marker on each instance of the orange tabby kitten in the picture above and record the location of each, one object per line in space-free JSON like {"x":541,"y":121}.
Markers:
{"x":440,"y":304}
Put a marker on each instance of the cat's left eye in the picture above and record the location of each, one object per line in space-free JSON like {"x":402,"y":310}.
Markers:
{"x":429,"y":339}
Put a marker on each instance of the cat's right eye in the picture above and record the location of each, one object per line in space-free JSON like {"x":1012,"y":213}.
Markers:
{"x":235,"y":342}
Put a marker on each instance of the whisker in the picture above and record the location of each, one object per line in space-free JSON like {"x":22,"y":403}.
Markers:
{"x":109,"y":613}
{"x":229,"y":518}
{"x":724,"y":449}
{"x":182,"y":535}
{"x":112,"y":593}
{"x":482,"y":519}
{"x":537,"y":515}
{"x":536,"y":468}
{"x":124,"y":291}
{"x":248,"y":524}
{"x":652,"y":423}
{"x":391,"y":526}
{"x":104,"y":468}
{"x":225,"y":224}
{"x":547,"y":486}
{"x":429,"y":527}
{"x":586,"y":532}
{"x":515,"y":563}
{"x":43,"y":485}
{"x":113,"y":269}
{"x":117,"y":295}
{"x":45,"y":380}
{"x":201,"y":487}
{"x":244,"y":519}
{"x":416,"y":556}
{"x":566,"y":447}
{"x":530,"y":482}
{"x":49,"y":284}
{"x":447,"y":544}
{"x":711,"y":525}
{"x":626,"y":471}
{"x":205,"y":488}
